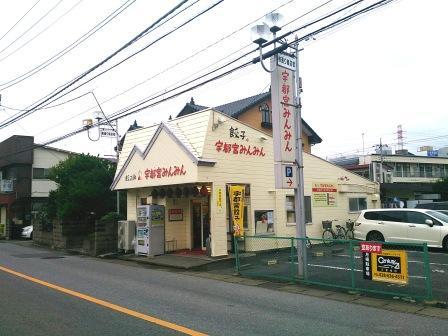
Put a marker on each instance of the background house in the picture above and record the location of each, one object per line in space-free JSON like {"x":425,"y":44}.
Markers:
{"x":403,"y":176}
{"x":24,"y":183}
{"x":255,"y":111}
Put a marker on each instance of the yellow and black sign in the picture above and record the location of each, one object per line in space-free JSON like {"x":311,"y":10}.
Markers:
{"x":237,"y":208}
{"x":390,"y":266}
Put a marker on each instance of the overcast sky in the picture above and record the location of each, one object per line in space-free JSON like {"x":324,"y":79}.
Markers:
{"x":386,"y":68}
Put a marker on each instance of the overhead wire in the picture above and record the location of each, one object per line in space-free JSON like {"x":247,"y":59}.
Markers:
{"x":70,"y":47}
{"x":139,"y":51}
{"x":177,"y":64}
{"x":23,"y":16}
{"x":32,"y":26}
{"x":56,"y":92}
{"x":125,"y":113}
{"x":41,"y":32}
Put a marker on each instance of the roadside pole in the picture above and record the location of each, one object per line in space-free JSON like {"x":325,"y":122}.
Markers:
{"x":298,"y":191}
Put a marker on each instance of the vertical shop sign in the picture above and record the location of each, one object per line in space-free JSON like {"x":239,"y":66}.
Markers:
{"x":236,"y":193}
{"x":283,"y":121}
{"x":219,"y":199}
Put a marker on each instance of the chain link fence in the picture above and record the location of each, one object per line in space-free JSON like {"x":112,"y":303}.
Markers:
{"x":386,"y":269}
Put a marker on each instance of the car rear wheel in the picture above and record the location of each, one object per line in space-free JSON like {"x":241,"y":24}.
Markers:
{"x":445,"y":244}
{"x":375,"y":236}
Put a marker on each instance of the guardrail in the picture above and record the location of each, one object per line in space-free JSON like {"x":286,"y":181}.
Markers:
{"x":396,"y":269}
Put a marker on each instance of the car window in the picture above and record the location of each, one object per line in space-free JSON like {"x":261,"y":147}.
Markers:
{"x":371,"y":215}
{"x":417,"y":217}
{"x":439,"y":215}
{"x":393,"y":216}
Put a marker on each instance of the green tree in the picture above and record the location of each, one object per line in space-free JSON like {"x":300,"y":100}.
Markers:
{"x":83,"y":188}
{"x":441,"y":187}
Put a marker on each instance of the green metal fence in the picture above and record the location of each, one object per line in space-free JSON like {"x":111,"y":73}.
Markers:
{"x":339,"y":264}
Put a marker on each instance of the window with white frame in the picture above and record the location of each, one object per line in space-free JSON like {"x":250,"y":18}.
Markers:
{"x":357,"y":204}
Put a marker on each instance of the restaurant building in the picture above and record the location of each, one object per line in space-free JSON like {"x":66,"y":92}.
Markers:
{"x":188,"y":163}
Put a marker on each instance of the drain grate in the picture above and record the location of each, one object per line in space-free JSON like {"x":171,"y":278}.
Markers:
{"x":53,"y":257}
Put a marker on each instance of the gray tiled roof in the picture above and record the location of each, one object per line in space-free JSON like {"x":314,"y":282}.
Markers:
{"x":235,"y":108}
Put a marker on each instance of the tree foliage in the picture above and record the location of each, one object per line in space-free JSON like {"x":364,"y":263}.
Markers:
{"x":83,"y":188}
{"x":441,"y":187}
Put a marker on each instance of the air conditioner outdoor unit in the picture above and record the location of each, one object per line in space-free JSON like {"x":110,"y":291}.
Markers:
{"x":126,"y":235}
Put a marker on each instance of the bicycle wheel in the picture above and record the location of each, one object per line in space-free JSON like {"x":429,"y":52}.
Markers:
{"x":350,"y":235}
{"x":341,"y":233}
{"x":327,"y":237}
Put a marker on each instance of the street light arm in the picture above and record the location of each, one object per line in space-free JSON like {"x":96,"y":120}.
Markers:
{"x":261,"y":62}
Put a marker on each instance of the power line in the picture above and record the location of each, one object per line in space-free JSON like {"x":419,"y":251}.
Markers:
{"x":32,"y":26}
{"x":121,"y":114}
{"x":69,"y":48}
{"x":176,"y":64}
{"x":72,"y":82}
{"x":137,"y":52}
{"x":15,"y":24}
{"x":42,"y":31}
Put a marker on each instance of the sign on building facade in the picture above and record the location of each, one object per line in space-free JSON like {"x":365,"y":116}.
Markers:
{"x":324,"y":194}
{"x":236,"y":193}
{"x":283,"y":121}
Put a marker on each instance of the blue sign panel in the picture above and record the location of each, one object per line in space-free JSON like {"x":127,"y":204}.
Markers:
{"x":433,"y":153}
{"x":288,"y":171}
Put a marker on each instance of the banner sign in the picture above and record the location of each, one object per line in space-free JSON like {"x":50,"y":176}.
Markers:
{"x":324,"y":194}
{"x":283,"y":114}
{"x":175,"y":215}
{"x":370,"y":247}
{"x":386,"y":266}
{"x":2,"y":229}
{"x":236,"y":193}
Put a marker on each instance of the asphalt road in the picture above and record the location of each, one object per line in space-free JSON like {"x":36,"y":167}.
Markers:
{"x":204,"y":305}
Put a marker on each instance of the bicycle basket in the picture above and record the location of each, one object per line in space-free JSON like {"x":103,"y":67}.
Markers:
{"x":326,"y":224}
{"x":350,"y":225}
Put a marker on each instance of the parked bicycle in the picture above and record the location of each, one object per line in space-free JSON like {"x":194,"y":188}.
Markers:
{"x":350,"y":229}
{"x":329,"y":234}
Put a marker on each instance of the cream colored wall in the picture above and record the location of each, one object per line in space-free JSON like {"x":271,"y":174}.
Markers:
{"x":319,"y":170}
{"x":45,"y":158}
{"x":164,"y":153}
{"x":259,"y":173}
{"x":238,"y":169}
{"x":42,"y":188}
{"x":180,"y":231}
{"x":177,"y":230}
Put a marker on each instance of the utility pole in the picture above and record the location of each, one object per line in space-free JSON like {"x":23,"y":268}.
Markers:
{"x":381,"y":162}
{"x":298,"y":191}
{"x":117,"y":138}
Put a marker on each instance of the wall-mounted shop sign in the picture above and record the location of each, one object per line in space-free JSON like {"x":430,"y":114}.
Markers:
{"x":238,"y":133}
{"x":324,"y":194}
{"x":386,"y":266}
{"x":219,"y":199}
{"x":236,"y":193}
{"x":175,"y":215}
{"x":238,"y":149}
{"x":157,"y":173}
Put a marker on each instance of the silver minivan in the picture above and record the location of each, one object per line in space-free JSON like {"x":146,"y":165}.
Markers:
{"x":403,"y":226}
